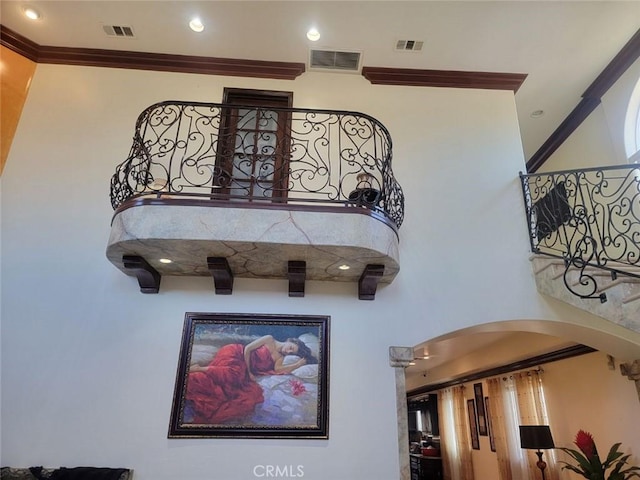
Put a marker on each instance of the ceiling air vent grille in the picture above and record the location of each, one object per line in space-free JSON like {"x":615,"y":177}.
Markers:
{"x":121,"y":31}
{"x":409,"y":45}
{"x":335,"y":60}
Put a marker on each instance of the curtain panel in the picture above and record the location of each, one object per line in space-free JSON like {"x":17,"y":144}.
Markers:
{"x":498,"y":424}
{"x":516,"y":400}
{"x":533,"y":411}
{"x":455,"y":439}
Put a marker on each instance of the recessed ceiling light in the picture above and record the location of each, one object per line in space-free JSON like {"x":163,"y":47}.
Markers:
{"x":196,"y":25}
{"x":165,"y":260}
{"x":537,"y":113}
{"x":344,"y":267}
{"x":313,"y":34}
{"x":31,"y":13}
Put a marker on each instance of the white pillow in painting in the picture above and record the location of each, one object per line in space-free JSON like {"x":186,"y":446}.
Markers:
{"x":306,"y":371}
{"x":289,"y":359}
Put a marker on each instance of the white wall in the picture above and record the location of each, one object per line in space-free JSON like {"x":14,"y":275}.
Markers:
{"x":88,"y":363}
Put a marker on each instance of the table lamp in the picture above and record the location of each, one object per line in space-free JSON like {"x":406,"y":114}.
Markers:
{"x":537,"y":437}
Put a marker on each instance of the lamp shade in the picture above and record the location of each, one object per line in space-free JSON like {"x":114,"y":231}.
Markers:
{"x":536,"y":437}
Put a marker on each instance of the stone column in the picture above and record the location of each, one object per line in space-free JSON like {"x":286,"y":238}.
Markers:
{"x":632,"y":372}
{"x":399,"y":359}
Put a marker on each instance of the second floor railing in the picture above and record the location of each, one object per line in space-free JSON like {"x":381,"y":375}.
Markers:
{"x":260,"y":154}
{"x":589,"y":218}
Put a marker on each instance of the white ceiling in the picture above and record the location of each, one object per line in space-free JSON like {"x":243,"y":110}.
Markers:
{"x":475,"y":351}
{"x":561,"y":46}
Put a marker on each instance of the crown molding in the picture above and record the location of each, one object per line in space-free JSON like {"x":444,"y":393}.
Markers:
{"x":614,"y":70}
{"x":444,"y":78}
{"x":19,"y":44}
{"x":531,"y":362}
{"x":246,"y":68}
{"x":148,"y":61}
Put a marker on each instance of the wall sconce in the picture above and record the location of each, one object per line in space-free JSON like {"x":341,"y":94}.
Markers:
{"x":537,"y":437}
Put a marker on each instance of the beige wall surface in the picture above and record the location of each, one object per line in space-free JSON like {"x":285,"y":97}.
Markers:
{"x":16,"y":73}
{"x":584,"y":393}
{"x":88,"y":362}
{"x":581,"y":393}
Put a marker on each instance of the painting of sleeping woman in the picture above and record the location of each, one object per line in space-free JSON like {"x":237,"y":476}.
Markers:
{"x":252,"y":375}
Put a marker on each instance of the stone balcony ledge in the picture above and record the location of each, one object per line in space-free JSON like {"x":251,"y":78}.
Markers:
{"x":257,"y":241}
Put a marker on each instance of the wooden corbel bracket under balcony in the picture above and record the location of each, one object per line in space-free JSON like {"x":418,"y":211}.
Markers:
{"x":227,"y":240}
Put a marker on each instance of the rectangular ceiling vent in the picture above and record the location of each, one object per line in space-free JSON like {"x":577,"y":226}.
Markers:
{"x":409,"y":45}
{"x":337,"y":60}
{"x":120,"y":31}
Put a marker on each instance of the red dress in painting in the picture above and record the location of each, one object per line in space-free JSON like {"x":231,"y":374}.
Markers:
{"x":225,"y":391}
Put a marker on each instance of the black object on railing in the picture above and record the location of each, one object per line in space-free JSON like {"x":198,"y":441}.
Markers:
{"x":589,"y":218}
{"x":260,"y":154}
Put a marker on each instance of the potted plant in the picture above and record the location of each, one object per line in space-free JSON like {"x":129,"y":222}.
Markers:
{"x":590,"y":466}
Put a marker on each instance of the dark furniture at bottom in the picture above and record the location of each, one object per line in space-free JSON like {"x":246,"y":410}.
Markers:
{"x":425,"y":468}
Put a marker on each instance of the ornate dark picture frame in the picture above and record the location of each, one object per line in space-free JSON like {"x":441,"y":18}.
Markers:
{"x":492,"y":438}
{"x":252,"y":376}
{"x":473,"y":424}
{"x":482,"y":416}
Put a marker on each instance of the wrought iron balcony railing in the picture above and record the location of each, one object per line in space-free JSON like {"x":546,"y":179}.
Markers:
{"x":589,"y":218}
{"x":260,"y":154}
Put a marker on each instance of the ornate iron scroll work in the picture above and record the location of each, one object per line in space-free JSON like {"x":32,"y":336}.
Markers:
{"x":300,"y":156}
{"x":590,"y":218}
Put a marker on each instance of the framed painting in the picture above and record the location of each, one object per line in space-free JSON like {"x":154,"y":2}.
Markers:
{"x":482,"y":416}
{"x":473,"y":425}
{"x":492,"y":439}
{"x":252,"y":376}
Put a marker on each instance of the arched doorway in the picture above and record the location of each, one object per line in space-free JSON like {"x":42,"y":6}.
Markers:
{"x":460,"y":354}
